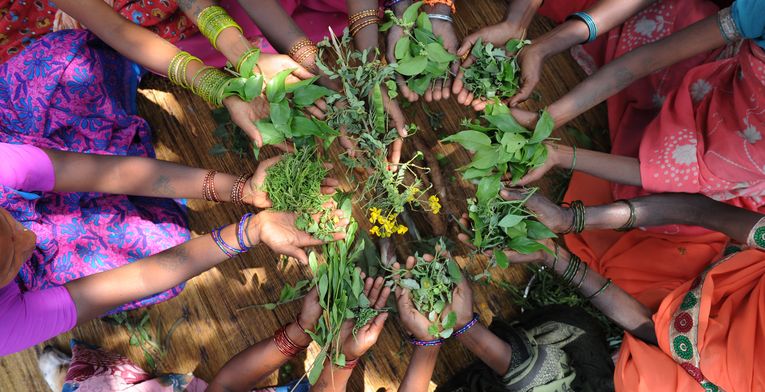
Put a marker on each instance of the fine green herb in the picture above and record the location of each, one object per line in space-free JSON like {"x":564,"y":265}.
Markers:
{"x":420,"y":56}
{"x":501,"y":145}
{"x":294,"y":184}
{"x":495,"y":72}
{"x":431,"y":284}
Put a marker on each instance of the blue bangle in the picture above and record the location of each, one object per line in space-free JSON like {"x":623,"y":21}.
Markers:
{"x":391,"y":3}
{"x":229,"y":250}
{"x":587,"y":19}
{"x":425,"y":343}
{"x":467,"y":326}
{"x":240,"y":232}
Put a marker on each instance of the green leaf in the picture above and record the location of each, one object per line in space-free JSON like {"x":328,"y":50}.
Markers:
{"x":510,"y":220}
{"x":512,"y":142}
{"x":470,"y":140}
{"x":423,"y":22}
{"x":402,"y":48}
{"x":253,"y":87}
{"x":485,"y":158}
{"x":318,"y":366}
{"x":269,"y":306}
{"x":437,"y":53}
{"x":379,"y":107}
{"x":450,"y":320}
{"x":247,"y":68}
{"x":411,"y":13}
{"x":323,"y":286}
{"x":525,"y":245}
{"x":275,"y":88}
{"x":302,"y":126}
{"x":133,"y":340}
{"x":269,"y":133}
{"x":505,"y":123}
{"x":501,"y":258}
{"x":412,"y":66}
{"x":488,"y":188}
{"x":419,"y":84}
{"x":280,"y":117}
{"x":307,"y":95}
{"x":538,"y":231}
{"x":410,"y":284}
{"x":313,"y":262}
{"x":454,"y":270}
{"x":543,"y":129}
{"x":292,"y":87}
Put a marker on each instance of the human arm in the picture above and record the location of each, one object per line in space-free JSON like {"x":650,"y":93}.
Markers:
{"x":420,"y":369}
{"x":243,"y":371}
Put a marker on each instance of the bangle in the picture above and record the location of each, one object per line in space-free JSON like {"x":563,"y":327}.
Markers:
{"x":355,"y":28}
{"x":631,"y":221}
{"x":176,"y":70}
{"x":285,"y":345}
{"x":237,"y":190}
{"x":555,"y":258}
{"x":391,"y":3}
{"x":467,"y":326}
{"x":212,"y":21}
{"x":227,"y":249}
{"x":571,"y":269}
{"x":728,"y":28}
{"x":208,"y":187}
{"x":441,"y":17}
{"x":573,"y":162}
{"x":579,"y":215}
{"x":584,"y":276}
{"x":309,"y":52}
{"x":240,"y":233}
{"x":247,"y":55}
{"x":587,"y":19}
{"x":297,"y":321}
{"x":357,"y":17}
{"x":350,"y":365}
{"x":425,"y":343}
{"x":298,"y":45}
{"x":602,"y":289}
{"x":449,"y":3}
{"x":756,"y":237}
{"x":212,"y":82}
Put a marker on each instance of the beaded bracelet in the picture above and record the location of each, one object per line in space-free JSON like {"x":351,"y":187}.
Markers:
{"x":591,"y":26}
{"x":600,"y":291}
{"x":237,"y":190}
{"x":350,"y":365}
{"x":240,"y":232}
{"x":208,"y":187}
{"x":467,"y":326}
{"x":449,"y":3}
{"x":212,"y":21}
{"x":631,"y":221}
{"x":285,"y":345}
{"x":364,"y":23}
{"x":425,"y":343}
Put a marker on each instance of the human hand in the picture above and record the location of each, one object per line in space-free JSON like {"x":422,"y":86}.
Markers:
{"x":530,"y":61}
{"x":553,"y":160}
{"x":311,"y":310}
{"x":271,"y":64}
{"x":556,"y":218}
{"x":254,"y":194}
{"x":540,"y":256}
{"x":441,"y":88}
{"x":394,"y":35}
{"x":414,"y":322}
{"x":277,"y":231}
{"x":355,"y":346}
{"x":245,"y":114}
{"x":462,"y":303}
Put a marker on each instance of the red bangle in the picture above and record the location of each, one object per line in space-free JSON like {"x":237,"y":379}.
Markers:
{"x":285,"y":345}
{"x":237,"y":190}
{"x":208,"y":187}
{"x":350,"y":365}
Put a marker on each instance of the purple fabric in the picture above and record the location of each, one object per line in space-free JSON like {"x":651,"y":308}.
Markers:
{"x":26,"y":167}
{"x":34,"y":316}
{"x":69,"y":91}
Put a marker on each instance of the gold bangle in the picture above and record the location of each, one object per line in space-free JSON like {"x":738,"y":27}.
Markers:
{"x":298,"y":45}
{"x":311,"y":52}
{"x":361,"y":15}
{"x":364,"y":24}
{"x":194,"y":78}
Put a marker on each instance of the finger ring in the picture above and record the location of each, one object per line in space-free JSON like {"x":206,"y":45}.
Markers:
{"x":465,"y":56}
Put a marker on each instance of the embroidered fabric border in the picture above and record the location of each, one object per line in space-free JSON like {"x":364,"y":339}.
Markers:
{"x":756,"y":237}
{"x":728,"y":28}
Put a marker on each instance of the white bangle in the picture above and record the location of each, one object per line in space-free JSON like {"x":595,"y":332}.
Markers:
{"x":441,"y":17}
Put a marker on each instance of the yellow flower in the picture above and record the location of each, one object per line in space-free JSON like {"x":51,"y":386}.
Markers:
{"x":415,"y":191}
{"x":402,"y":229}
{"x":374,"y":213}
{"x":435,"y":206}
{"x":375,"y":230}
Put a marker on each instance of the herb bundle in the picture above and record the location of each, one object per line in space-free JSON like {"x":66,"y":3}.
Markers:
{"x":431,"y":285}
{"x":501,"y":145}
{"x":420,"y":56}
{"x":494,"y":74}
{"x":294,"y":184}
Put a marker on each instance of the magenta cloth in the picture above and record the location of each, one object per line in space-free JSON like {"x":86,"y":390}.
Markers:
{"x":314,"y":17}
{"x":34,"y":316}
{"x":69,"y":91}
{"x":26,"y":167}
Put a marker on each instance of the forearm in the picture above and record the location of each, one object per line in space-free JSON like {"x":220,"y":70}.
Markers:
{"x":521,"y":12}
{"x":136,"y":176}
{"x":332,"y":379}
{"x":365,"y":38}
{"x":245,"y":369}
{"x":277,"y":26}
{"x":614,"y":302}
{"x":698,"y":38}
{"x":231,"y":43}
{"x":614,"y":168}
{"x":420,"y":370}
{"x":488,"y":347}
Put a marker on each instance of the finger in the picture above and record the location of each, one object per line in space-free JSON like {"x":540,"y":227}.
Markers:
{"x":339,"y":236}
{"x":467,"y":44}
{"x":321,"y":104}
{"x":368,"y":283}
{"x":394,"y":157}
{"x":396,"y":266}
{"x":328,"y":190}
{"x":296,"y":253}
{"x":466,"y":240}
{"x":527,"y":87}
{"x":462,"y":96}
{"x":348,"y":145}
{"x":469,"y":99}
{"x":512,"y":194}
{"x":410,"y":95}
{"x":410,"y":261}
{"x":376,"y":289}
{"x":312,"y":295}
{"x":459,"y":84}
{"x":329,"y":181}
{"x":315,"y":111}
{"x":531,"y":176}
{"x":378,"y":323}
{"x":285,"y":146}
{"x":446,"y":90}
{"x":302,"y":73}
{"x":479,"y":104}
{"x":382,"y":299}
{"x":396,"y":115}
{"x":428,"y":257}
{"x":252,"y":131}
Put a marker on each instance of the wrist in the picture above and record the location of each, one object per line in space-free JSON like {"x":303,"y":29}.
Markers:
{"x":298,"y":335}
{"x":563,"y":156}
{"x":442,"y":9}
{"x":252,"y":231}
{"x":232,"y":44}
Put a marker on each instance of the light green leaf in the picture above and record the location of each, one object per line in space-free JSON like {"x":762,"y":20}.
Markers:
{"x":253,"y":87}
{"x":501,"y":258}
{"x":402,"y":48}
{"x":307,"y":95}
{"x":437,"y":53}
{"x":510,"y":220}
{"x":485,"y":158}
{"x":275,"y":88}
{"x":247,"y":68}
{"x":543,"y":129}
{"x":505,"y":123}
{"x":410,"y":284}
{"x":411,"y":13}
{"x":488,"y":188}
{"x":454,"y":270}
{"x":470,"y":140}
{"x":318,"y":366}
{"x":269,"y":133}
{"x":281,"y":115}
{"x":423,"y":22}
{"x":412,"y":66}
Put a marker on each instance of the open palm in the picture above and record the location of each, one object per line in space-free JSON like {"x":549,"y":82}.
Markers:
{"x":277,"y":231}
{"x":355,"y":346}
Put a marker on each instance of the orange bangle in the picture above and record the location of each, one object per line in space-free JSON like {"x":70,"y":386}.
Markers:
{"x":449,"y":3}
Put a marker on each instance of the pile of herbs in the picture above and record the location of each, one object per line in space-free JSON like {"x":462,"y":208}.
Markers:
{"x":501,"y":145}
{"x":495,"y":72}
{"x":294,"y":184}
{"x":420,"y":56}
{"x":431,"y":284}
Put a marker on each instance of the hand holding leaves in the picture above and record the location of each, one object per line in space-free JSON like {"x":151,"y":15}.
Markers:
{"x":555,"y":217}
{"x":311,"y":310}
{"x":360,"y":335}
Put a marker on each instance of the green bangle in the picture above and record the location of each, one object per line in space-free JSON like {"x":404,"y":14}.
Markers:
{"x":602,"y":289}
{"x":584,"y":276}
{"x":573,"y":162}
{"x":632,"y":219}
{"x":212,"y":21}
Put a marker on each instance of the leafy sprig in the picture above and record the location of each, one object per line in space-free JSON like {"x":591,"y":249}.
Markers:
{"x":495,"y":72}
{"x":420,"y":56}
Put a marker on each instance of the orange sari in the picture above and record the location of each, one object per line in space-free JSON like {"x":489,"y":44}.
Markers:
{"x":718,"y":339}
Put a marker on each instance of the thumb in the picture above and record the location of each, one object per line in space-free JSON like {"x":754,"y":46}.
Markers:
{"x":378,"y":323}
{"x":296,"y":253}
{"x":531,"y":176}
{"x":512,"y":194}
{"x":302,"y":73}
{"x":527,"y":86}
{"x":467,"y":44}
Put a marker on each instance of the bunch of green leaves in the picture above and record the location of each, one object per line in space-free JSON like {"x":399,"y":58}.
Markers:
{"x":248,"y":85}
{"x":294,"y":184}
{"x":358,"y":107}
{"x":391,"y":190}
{"x":138,"y":327}
{"x":420,"y":56}
{"x":341,"y":294}
{"x":504,"y":224}
{"x":501,"y":145}
{"x":495,"y":72}
{"x":431,"y":284}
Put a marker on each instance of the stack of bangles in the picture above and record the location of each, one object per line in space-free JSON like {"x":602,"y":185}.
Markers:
{"x":207,"y":82}
{"x":285,"y":345}
{"x":572,"y":270}
{"x":439,"y":341}
{"x":362,"y":20}
{"x":303,"y":50}
{"x":632,"y":219}
{"x":578,"y":224}
{"x":587,"y":19}
{"x":212,"y":21}
{"x":241,"y":238}
{"x":237,"y":190}
{"x":246,"y":56}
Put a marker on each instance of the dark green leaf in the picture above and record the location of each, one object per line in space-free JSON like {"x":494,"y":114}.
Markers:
{"x":470,"y":140}
{"x":501,"y":258}
{"x":543,"y":129}
{"x":269,"y":133}
{"x":307,"y":95}
{"x":318,"y":366}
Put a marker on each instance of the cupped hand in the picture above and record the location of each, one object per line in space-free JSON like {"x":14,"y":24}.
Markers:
{"x":356,"y":346}
{"x":271,"y":64}
{"x":462,"y":303}
{"x":245,"y":114}
{"x":394,"y":35}
{"x":441,"y":89}
{"x":311,"y":310}
{"x":553,"y":160}
{"x":556,"y":218}
{"x":414,"y":322}
{"x":277,"y":231}
{"x":530,"y":61}
{"x":254,"y":194}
